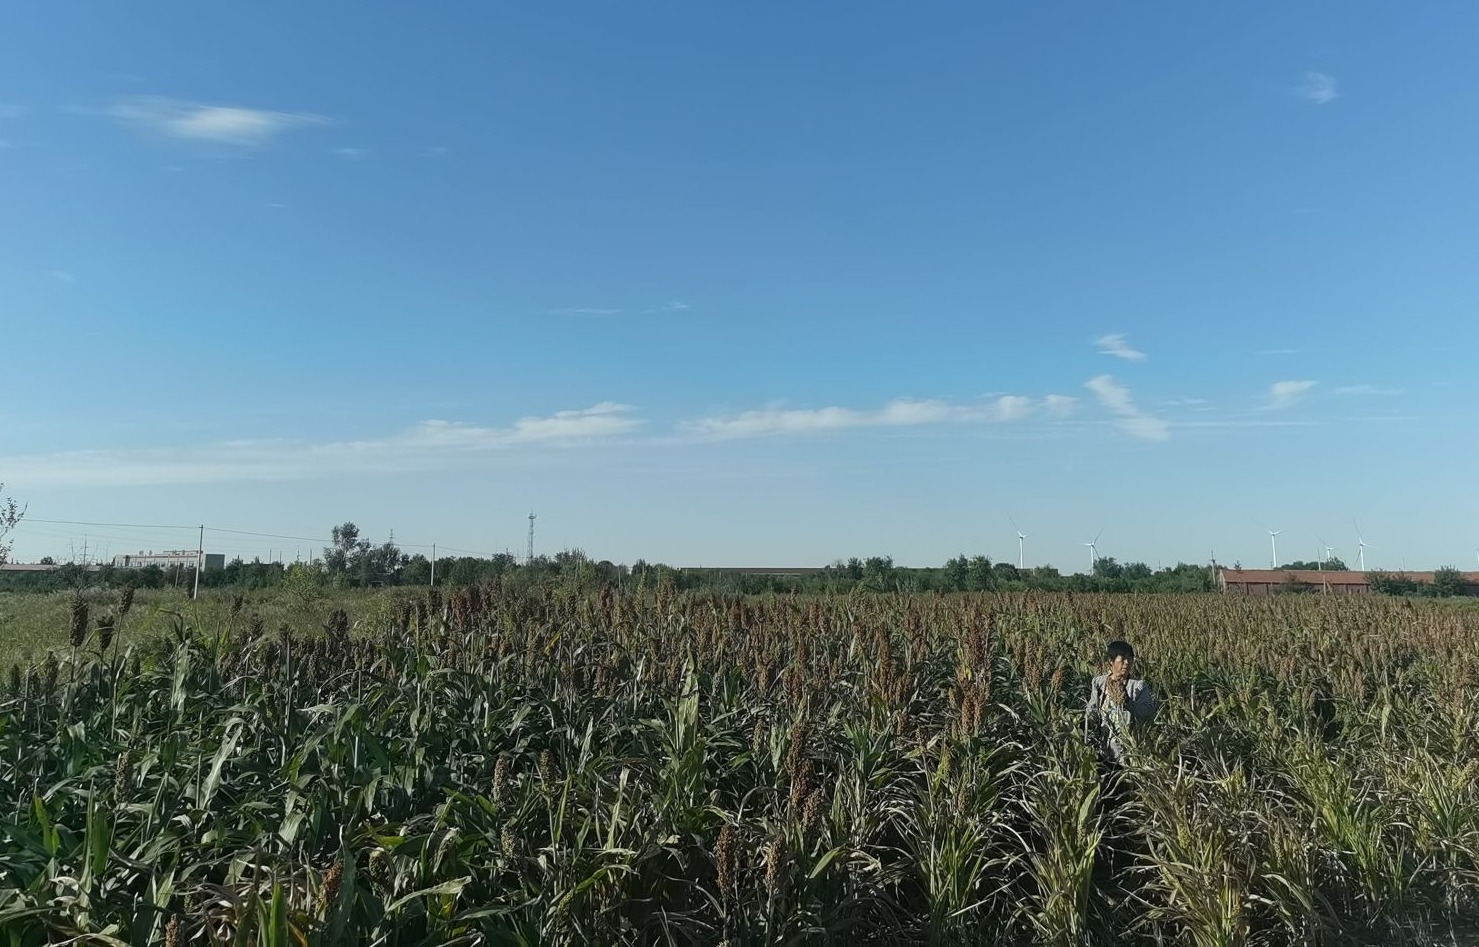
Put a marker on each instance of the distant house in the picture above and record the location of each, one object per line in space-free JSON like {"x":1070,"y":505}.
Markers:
{"x":27,"y":567}
{"x":184,"y":558}
{"x":1275,"y":581}
{"x":756,"y":570}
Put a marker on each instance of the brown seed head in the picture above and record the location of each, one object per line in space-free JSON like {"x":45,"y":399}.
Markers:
{"x":500,"y":777}
{"x":811,"y":816}
{"x":123,"y":776}
{"x":509,"y":842}
{"x":79,"y":621}
{"x":380,"y":869}
{"x":775,"y":867}
{"x":329,"y":894}
{"x":726,"y":854}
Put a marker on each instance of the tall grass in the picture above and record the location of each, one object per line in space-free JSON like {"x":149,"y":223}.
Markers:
{"x":495,"y":768}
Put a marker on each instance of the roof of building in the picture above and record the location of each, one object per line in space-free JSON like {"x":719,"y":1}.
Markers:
{"x":1315,"y":577}
{"x":756,"y":570}
{"x":26,"y":567}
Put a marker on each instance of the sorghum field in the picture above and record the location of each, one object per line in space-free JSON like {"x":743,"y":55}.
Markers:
{"x":559,"y":768}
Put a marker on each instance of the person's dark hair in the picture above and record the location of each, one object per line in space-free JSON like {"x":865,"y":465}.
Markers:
{"x":1119,"y":649}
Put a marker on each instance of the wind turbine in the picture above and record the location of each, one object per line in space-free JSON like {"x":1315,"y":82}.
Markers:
{"x":1094,"y":550}
{"x":1325,"y":549}
{"x":1274,"y":562}
{"x":1021,"y":545}
{"x":1361,"y":545}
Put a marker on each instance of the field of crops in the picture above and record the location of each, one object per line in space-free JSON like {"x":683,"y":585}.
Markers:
{"x":549,"y":768}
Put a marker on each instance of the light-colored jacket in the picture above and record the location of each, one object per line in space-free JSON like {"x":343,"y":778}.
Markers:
{"x":1112,"y":729}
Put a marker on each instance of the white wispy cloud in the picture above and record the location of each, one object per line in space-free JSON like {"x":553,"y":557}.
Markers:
{"x":1059,"y":406}
{"x":1366,"y":390}
{"x":220,"y":124}
{"x":585,"y":311}
{"x":1115,"y":344}
{"x":9,"y":110}
{"x":1130,"y":418}
{"x":62,"y":276}
{"x":433,"y":151}
{"x":902,"y":412}
{"x":1278,"y":352}
{"x":352,"y":154}
{"x":1284,"y":394}
{"x":428,"y":445}
{"x":1319,"y":88}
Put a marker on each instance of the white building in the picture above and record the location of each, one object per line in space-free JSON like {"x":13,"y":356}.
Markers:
{"x":170,"y":557}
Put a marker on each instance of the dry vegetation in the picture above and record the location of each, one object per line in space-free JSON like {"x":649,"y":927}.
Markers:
{"x":598,"y":769}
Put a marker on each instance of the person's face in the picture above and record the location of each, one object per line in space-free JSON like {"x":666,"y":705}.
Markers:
{"x":1120,"y":666}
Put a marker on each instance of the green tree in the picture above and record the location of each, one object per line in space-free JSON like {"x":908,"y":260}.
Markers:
{"x":10,"y":517}
{"x":1332,"y":564}
{"x":347,"y":559}
{"x":878,"y":573}
{"x":1448,"y":582}
{"x":956,"y":573}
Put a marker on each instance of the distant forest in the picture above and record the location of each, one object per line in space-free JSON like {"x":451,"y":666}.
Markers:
{"x":353,"y":561}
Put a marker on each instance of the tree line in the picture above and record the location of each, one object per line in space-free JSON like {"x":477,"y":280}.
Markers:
{"x":353,"y":561}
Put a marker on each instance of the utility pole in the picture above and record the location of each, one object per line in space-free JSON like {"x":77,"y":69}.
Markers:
{"x":433,"y":565}
{"x":529,"y":556}
{"x":199,"y":558}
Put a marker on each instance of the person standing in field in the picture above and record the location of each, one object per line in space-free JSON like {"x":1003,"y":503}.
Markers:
{"x":1120,"y":705}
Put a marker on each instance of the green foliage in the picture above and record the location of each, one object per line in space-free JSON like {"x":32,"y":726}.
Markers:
{"x":10,"y":517}
{"x":569,"y":766}
{"x":1332,"y":564}
{"x":1448,"y":582}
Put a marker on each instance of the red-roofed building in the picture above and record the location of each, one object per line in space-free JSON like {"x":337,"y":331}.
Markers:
{"x":1275,"y":581}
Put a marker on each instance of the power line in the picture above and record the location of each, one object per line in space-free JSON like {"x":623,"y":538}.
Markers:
{"x":225,"y":530}
{"x":33,"y":519}
{"x":243,"y":532}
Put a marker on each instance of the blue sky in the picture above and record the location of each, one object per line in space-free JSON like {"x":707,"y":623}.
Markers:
{"x":743,"y":284}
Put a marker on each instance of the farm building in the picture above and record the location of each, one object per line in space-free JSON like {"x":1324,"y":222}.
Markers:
{"x":757,"y":570}
{"x":1276,"y":581}
{"x":170,"y":557}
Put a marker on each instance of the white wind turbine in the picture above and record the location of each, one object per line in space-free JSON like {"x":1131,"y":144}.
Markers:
{"x":1361,"y":545}
{"x":1273,"y":543}
{"x":1326,"y":550}
{"x":1021,"y":545}
{"x":1094,"y":550}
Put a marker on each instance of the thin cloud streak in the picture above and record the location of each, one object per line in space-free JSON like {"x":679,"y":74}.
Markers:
{"x":1286,"y":394}
{"x":428,"y":445}
{"x":899,"y":413}
{"x":218,"y":124}
{"x":1319,"y":88}
{"x":1131,"y":419}
{"x":1115,"y":344}
{"x":1367,"y":390}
